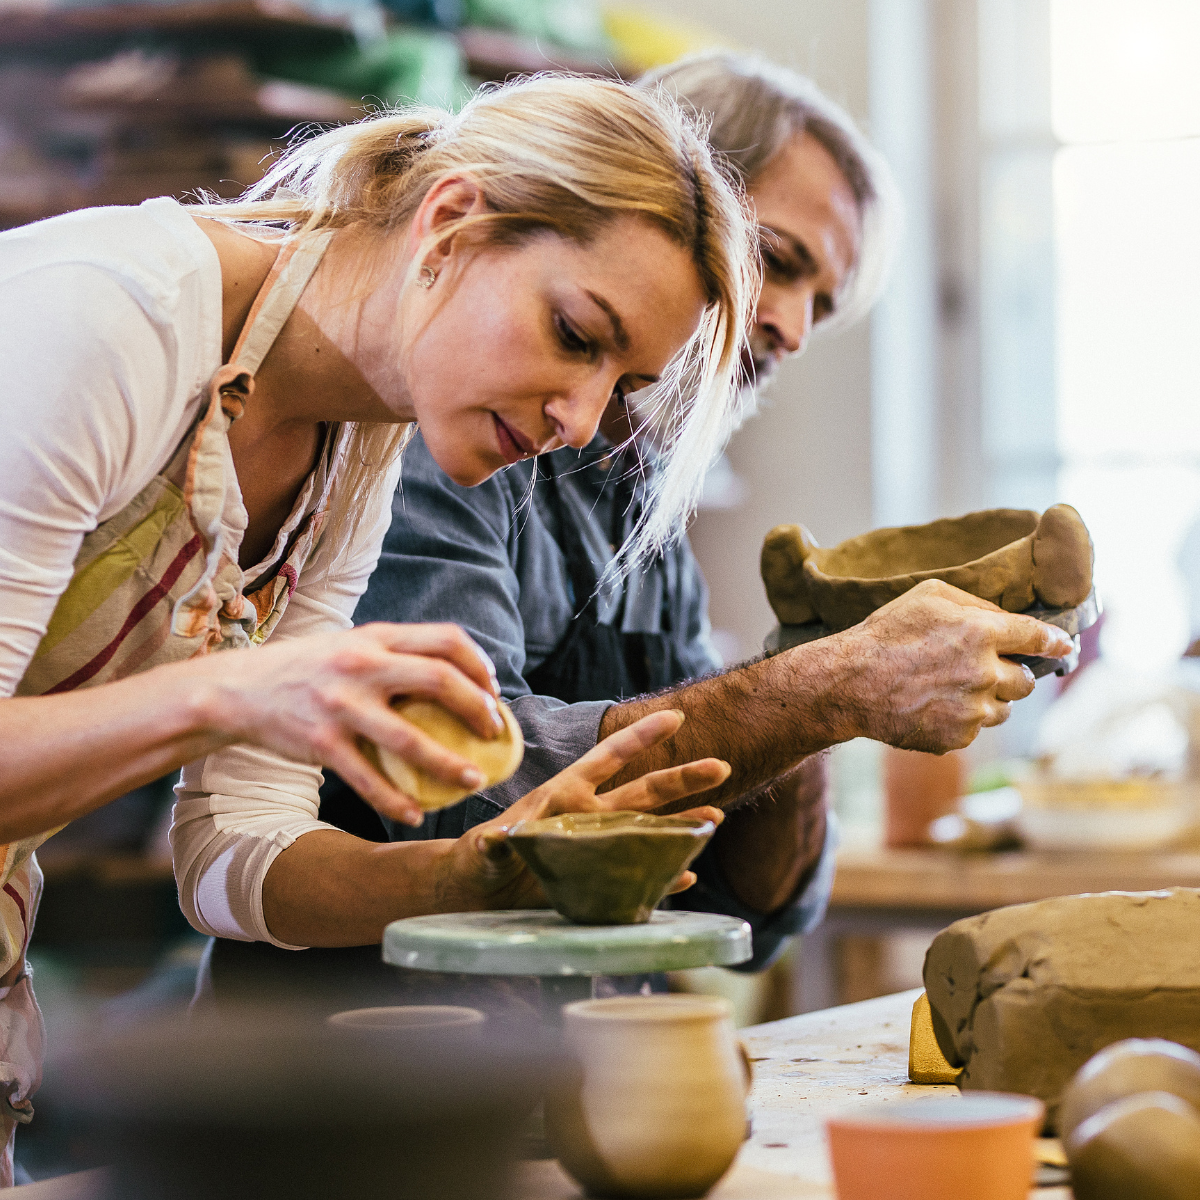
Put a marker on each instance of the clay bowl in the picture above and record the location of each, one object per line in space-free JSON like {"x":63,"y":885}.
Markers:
{"x":609,"y":868}
{"x":1012,"y":557}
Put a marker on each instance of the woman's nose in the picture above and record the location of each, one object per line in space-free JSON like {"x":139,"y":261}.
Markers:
{"x":577,"y":415}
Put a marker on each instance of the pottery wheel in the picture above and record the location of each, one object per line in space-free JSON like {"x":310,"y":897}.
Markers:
{"x":540,"y":942}
{"x":1070,"y":620}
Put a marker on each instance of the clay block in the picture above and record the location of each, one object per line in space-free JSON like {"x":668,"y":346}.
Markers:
{"x":1023,"y":996}
{"x":1012,"y":557}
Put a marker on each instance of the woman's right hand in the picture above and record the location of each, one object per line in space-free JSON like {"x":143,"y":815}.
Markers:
{"x":312,"y":698}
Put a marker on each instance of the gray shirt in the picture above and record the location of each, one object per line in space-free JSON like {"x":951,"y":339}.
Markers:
{"x":488,"y":559}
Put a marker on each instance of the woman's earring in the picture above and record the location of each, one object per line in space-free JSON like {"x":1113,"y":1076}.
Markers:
{"x":427,"y":276}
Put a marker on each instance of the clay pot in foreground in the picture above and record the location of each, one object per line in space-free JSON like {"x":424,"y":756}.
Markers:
{"x":609,"y":868}
{"x":409,"y":1018}
{"x":658,"y":1108}
{"x":975,"y":1147}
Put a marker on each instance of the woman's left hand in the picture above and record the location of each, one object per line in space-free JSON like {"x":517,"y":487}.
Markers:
{"x":486,"y":873}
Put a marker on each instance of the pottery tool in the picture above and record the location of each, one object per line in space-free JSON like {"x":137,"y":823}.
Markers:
{"x":567,"y":957}
{"x":1072,"y":621}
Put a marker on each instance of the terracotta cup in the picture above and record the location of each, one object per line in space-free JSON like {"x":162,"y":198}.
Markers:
{"x":407,"y":1018}
{"x":975,"y":1147}
{"x":658,"y":1108}
{"x":917,"y":789}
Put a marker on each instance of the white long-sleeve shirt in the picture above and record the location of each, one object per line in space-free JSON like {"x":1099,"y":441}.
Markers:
{"x":110,"y":329}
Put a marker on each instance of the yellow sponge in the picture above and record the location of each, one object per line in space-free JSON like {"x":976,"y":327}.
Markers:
{"x":926,"y":1062}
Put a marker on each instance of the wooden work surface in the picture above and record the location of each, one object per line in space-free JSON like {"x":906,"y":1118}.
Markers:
{"x":806,"y":1068}
{"x":875,"y":877}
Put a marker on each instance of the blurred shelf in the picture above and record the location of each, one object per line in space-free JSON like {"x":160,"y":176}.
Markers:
{"x":493,"y":56}
{"x":943,"y":881}
{"x":275,"y":103}
{"x":23,"y":30}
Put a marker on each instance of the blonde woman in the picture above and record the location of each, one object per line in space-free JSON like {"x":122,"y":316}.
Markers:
{"x":204,"y":410}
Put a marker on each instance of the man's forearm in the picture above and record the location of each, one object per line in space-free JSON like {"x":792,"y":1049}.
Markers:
{"x":763,"y":718}
{"x":769,"y":846}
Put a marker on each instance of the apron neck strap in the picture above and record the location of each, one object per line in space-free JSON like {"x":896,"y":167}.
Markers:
{"x":276,"y":299}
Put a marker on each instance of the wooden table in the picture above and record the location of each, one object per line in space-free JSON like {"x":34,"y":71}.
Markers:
{"x":877,"y":891}
{"x":806,"y":1068}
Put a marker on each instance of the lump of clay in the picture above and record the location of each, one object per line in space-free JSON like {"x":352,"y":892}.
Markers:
{"x":1012,"y":557}
{"x":1023,"y":996}
{"x":498,"y":758}
{"x":1125,"y":1069}
{"x":1145,"y":1147}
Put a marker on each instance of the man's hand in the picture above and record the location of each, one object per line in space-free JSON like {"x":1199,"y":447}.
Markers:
{"x":484,"y":870}
{"x":933,"y":669}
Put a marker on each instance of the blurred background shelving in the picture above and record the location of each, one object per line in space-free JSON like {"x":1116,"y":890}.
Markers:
{"x":111,"y":104}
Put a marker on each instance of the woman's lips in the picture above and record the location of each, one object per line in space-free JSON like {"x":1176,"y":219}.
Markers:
{"x":513,"y":446}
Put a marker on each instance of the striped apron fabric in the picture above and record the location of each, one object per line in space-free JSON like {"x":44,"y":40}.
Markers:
{"x":159,"y":582}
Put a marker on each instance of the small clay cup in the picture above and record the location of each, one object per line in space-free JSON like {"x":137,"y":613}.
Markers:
{"x":609,"y":868}
{"x":975,"y":1147}
{"x":404,"y":1019}
{"x":658,"y":1106}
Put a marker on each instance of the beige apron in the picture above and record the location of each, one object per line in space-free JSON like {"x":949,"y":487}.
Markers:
{"x":157,"y":583}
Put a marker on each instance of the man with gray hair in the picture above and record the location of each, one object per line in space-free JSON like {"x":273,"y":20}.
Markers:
{"x":522,"y":563}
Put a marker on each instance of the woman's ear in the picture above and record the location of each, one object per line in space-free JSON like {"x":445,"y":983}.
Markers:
{"x":450,"y":200}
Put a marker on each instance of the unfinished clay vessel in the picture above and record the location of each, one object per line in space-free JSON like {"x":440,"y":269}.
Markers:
{"x":1128,"y":1068}
{"x":1144,"y":1147}
{"x":658,"y":1107}
{"x":1010,"y":556}
{"x":609,"y":868}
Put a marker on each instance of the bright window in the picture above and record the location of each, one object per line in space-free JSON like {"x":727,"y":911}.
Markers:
{"x":1125,"y":99}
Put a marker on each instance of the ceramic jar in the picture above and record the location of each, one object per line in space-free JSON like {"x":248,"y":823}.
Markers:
{"x":658,"y":1105}
{"x":917,"y":789}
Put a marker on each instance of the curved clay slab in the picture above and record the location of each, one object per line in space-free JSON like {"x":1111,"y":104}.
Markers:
{"x":609,"y":868}
{"x":498,"y":758}
{"x":1011,"y":557}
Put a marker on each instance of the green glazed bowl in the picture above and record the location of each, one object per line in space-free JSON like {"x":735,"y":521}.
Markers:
{"x":609,"y":868}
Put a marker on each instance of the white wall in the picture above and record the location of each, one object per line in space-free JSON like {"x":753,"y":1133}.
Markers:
{"x":807,"y":457}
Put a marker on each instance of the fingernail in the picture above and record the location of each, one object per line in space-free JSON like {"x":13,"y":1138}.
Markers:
{"x":498,"y":721}
{"x":472,"y":777}
{"x":414,"y":819}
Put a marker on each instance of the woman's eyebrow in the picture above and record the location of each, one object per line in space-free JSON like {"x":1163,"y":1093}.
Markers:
{"x":619,"y":334}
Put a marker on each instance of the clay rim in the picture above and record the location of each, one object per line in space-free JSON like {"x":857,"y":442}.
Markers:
{"x":633,"y":823}
{"x":906,"y":1116}
{"x":650,"y":1009}
{"x":426,"y":1017}
{"x":831,"y":563}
